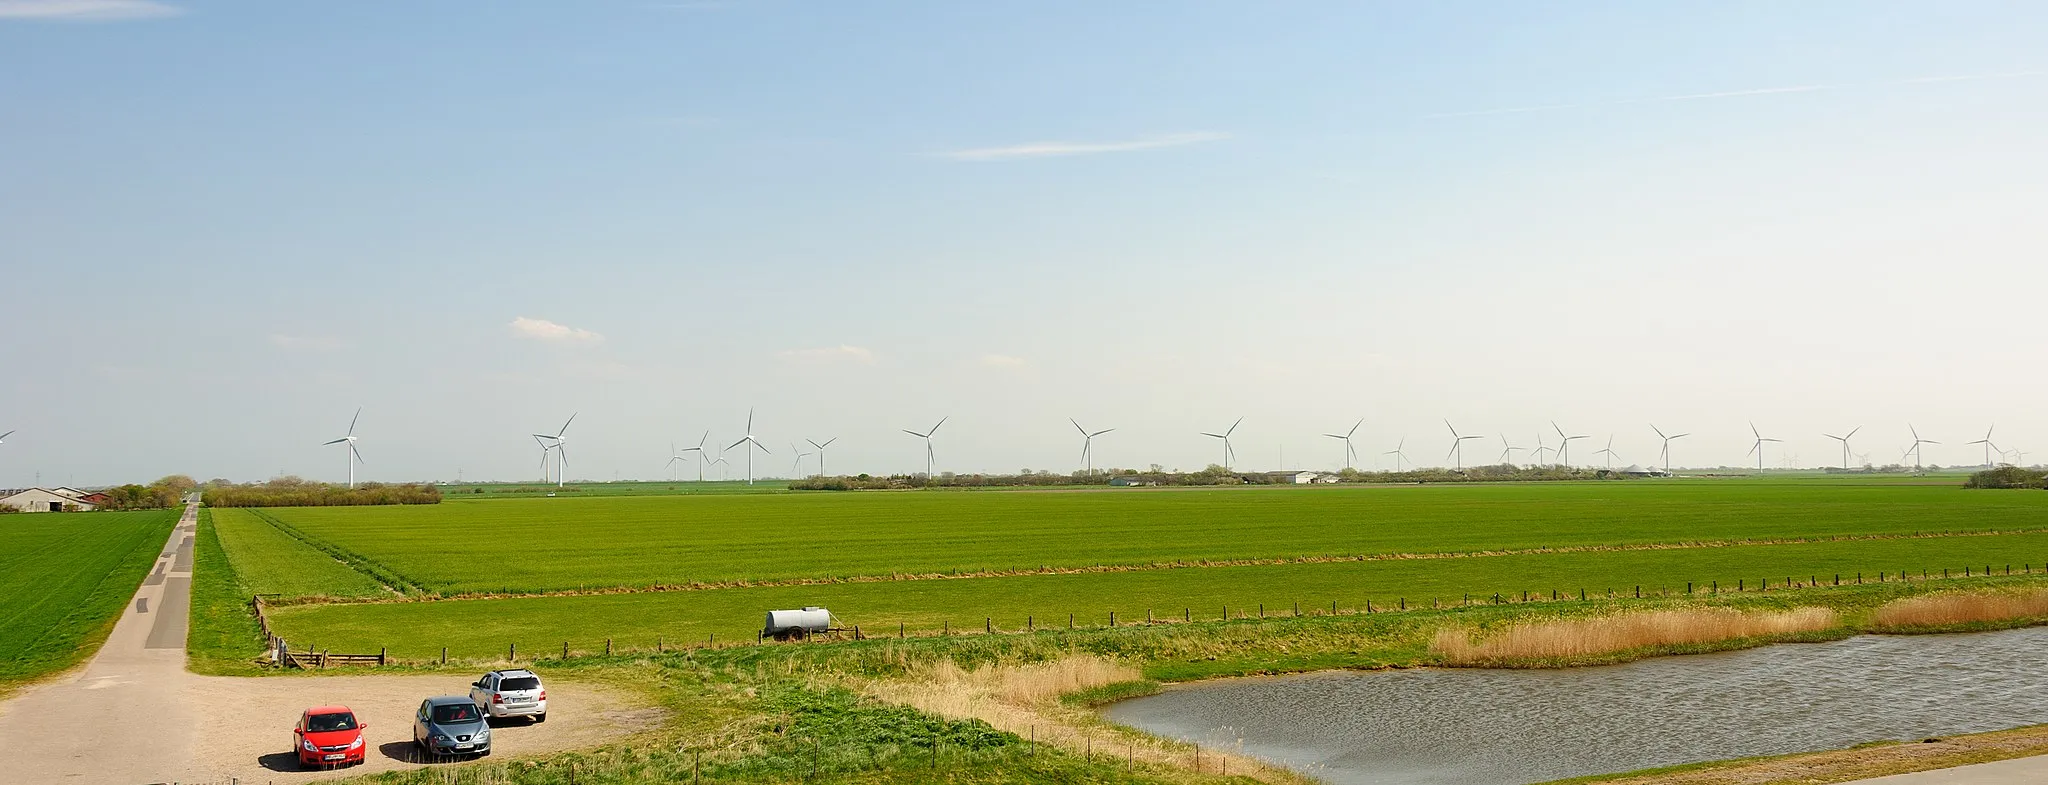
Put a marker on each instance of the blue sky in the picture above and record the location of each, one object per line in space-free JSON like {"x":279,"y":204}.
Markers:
{"x":229,"y":224}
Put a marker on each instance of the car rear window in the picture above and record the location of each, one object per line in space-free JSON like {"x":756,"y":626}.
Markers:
{"x":322,"y":723}
{"x":516,"y":683}
{"x":455,"y":712}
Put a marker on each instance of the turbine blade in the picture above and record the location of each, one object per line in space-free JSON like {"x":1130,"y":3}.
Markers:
{"x":1852,"y":432}
{"x":935,"y":428}
{"x":1100,"y":432}
{"x":1077,"y":426}
{"x":565,"y":425}
{"x":736,"y":444}
{"x":1212,"y":435}
{"x":700,"y":439}
{"x":914,"y":433}
{"x":1660,"y":434}
{"x":323,"y":444}
{"x":355,"y":452}
{"x":352,"y":421}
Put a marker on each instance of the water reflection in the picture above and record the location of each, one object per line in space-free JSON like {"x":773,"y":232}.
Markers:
{"x":1481,"y":727}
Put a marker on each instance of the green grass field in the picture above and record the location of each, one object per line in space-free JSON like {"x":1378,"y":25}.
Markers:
{"x":64,"y":580}
{"x":269,"y":561}
{"x":542,"y":545}
{"x":503,"y":490}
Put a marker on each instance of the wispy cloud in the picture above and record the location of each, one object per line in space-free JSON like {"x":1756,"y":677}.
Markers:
{"x":842,"y":352}
{"x":86,"y":10}
{"x":1050,"y":149}
{"x":1003,"y":361}
{"x":551,"y":332}
{"x":1812,"y":88}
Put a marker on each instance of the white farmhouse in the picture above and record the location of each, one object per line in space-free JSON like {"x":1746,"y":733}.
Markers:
{"x":46,"y":500}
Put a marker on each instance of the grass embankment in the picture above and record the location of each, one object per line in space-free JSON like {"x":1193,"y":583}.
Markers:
{"x":64,"y":579}
{"x":1862,"y":762}
{"x":584,"y":543}
{"x":222,"y":637}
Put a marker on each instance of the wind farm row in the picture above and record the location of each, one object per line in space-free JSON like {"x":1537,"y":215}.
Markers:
{"x":1551,"y":447}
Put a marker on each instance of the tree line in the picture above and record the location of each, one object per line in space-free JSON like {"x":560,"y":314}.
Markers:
{"x":296,"y":492}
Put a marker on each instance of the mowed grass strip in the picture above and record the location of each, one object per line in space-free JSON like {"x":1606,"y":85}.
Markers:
{"x":540,"y":625}
{"x":269,"y":561}
{"x":64,"y":579}
{"x":566,"y":544}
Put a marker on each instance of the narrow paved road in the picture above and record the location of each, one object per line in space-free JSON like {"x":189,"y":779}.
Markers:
{"x":2017,"y":770}
{"x":123,"y":715}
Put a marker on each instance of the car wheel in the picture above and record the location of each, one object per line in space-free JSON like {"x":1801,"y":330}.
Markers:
{"x":541,"y":717}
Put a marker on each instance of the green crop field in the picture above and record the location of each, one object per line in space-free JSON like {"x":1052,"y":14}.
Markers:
{"x":565,"y":544}
{"x":270,"y":561}
{"x":886,"y":559}
{"x":64,"y":580}
{"x":502,"y":490}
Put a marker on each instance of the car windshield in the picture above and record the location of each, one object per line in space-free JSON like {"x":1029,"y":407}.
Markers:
{"x":322,"y":723}
{"x":516,"y":683}
{"x":456,"y":712}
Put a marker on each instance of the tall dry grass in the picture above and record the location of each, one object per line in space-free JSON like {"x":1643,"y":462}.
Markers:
{"x":1943,"y":610}
{"x":1580,"y":638}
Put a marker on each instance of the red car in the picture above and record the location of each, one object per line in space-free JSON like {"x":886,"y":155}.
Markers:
{"x":328,"y":736}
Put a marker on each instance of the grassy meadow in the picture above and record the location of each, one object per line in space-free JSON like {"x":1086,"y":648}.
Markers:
{"x":64,"y":579}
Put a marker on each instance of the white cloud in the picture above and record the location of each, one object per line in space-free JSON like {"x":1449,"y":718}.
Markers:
{"x":1049,"y":149}
{"x":857,"y":354}
{"x":544,"y":330}
{"x":1002,"y":361}
{"x":86,"y":10}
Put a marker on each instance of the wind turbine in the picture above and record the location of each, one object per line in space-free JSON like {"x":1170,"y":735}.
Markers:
{"x":930,"y":457}
{"x":1917,"y":441}
{"x":561,"y":447}
{"x":1609,"y":452}
{"x":1665,"y":455}
{"x":751,"y":443}
{"x":1088,"y":444}
{"x":821,"y":452}
{"x":674,"y":455}
{"x":1458,"y":445}
{"x":1845,"y":444}
{"x":1540,"y":449}
{"x":1564,"y":445}
{"x":721,"y":463}
{"x":699,"y":450}
{"x":1508,"y":450}
{"x":796,"y":466}
{"x":1349,"y":452}
{"x":1398,"y":454}
{"x":1225,"y":436}
{"x":354,"y":457}
{"x":1986,"y":441}
{"x":1758,"y":447}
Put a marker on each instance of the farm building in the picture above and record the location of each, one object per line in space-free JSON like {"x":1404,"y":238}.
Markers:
{"x":47,"y":500}
{"x":1638,"y":471}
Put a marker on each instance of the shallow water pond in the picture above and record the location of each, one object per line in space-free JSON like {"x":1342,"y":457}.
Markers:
{"x":1508,"y":727}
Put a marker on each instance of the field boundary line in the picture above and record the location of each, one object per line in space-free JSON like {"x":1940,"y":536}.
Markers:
{"x":393,"y":581}
{"x":424,"y":596}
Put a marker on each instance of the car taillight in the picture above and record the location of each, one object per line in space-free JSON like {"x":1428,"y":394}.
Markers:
{"x":543,"y":694}
{"x":496,"y":698}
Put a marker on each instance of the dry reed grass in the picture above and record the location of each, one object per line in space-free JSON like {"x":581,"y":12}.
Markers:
{"x":1578,"y":638}
{"x":1943,"y":610}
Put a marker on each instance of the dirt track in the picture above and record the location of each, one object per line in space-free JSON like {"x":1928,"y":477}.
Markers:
{"x":133,"y":715}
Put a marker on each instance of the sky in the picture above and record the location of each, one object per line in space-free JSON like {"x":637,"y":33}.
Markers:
{"x":225,"y":226}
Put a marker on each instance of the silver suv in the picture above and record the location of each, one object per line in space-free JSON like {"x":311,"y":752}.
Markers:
{"x":511,"y":693}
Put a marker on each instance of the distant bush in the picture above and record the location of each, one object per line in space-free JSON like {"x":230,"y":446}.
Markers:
{"x":2008,"y":477}
{"x":295,"y":492}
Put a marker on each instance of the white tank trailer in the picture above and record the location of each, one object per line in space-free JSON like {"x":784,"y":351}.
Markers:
{"x":797,"y":624}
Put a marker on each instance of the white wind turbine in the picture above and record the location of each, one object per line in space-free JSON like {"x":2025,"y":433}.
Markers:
{"x":1610,"y":453}
{"x":1350,"y":453}
{"x":931,"y":456}
{"x":1758,"y":447}
{"x":1986,"y":441}
{"x":1665,"y":454}
{"x":796,"y":465}
{"x":1917,"y":441}
{"x":1398,"y":454}
{"x":1564,"y":445}
{"x":1845,"y":444}
{"x":1088,"y":444}
{"x":752,"y":444}
{"x":560,"y":445}
{"x":1508,"y":450}
{"x":699,"y":450}
{"x":1458,"y":445}
{"x":1225,"y":436}
{"x":721,"y":463}
{"x":821,"y":452}
{"x":354,"y":457}
{"x":1541,"y":448}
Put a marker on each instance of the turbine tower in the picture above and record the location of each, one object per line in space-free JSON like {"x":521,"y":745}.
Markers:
{"x":1088,"y":444}
{"x":1508,"y":450}
{"x":1564,"y":445}
{"x":930,"y":456}
{"x":354,"y":457}
{"x":1398,"y":454}
{"x":1458,"y":445}
{"x":1225,"y":436}
{"x":1986,"y":441}
{"x":561,"y":447}
{"x":752,"y":444}
{"x":1665,"y":455}
{"x":1350,"y":453}
{"x":1845,"y":444}
{"x":1758,"y":447}
{"x":1609,"y":452}
{"x":821,"y":452}
{"x":1915,"y":449}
